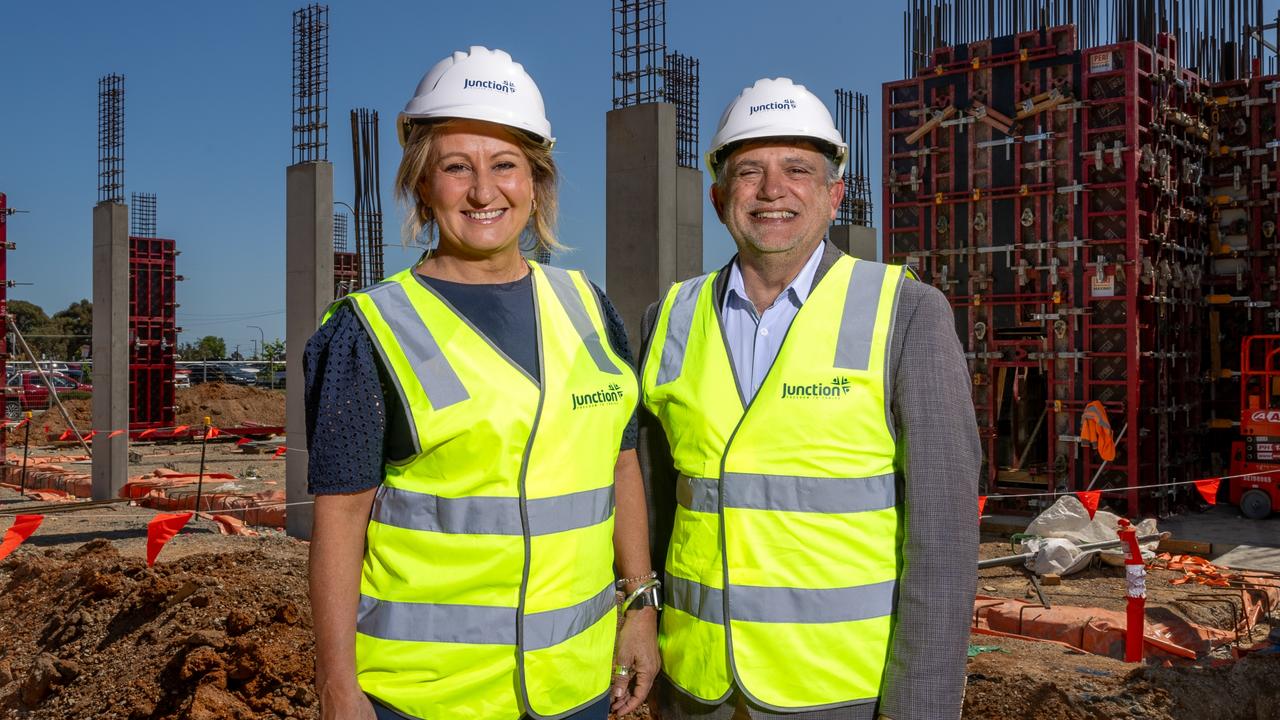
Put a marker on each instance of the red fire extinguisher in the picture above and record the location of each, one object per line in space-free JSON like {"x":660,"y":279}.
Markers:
{"x":1135,"y":571}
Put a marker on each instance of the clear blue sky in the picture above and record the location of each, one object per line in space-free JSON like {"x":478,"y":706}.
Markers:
{"x":207,"y":118}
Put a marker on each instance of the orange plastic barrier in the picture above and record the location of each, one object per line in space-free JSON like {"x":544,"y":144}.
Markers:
{"x":247,"y":505}
{"x":164,"y":479}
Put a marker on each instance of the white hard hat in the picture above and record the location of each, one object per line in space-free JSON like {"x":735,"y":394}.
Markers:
{"x":480,"y":84}
{"x":776,"y":107}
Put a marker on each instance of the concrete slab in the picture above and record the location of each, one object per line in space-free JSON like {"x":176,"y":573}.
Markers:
{"x":1224,"y":525}
{"x":1250,"y":557}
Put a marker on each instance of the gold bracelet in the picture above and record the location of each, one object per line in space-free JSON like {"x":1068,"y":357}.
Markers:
{"x":623,"y":582}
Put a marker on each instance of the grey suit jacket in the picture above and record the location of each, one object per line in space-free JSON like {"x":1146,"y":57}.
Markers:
{"x":938,"y":468}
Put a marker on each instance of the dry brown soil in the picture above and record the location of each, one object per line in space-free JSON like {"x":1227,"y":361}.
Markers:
{"x":226,"y":406}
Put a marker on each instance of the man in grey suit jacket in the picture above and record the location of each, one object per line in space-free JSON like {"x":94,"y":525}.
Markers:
{"x":776,"y":162}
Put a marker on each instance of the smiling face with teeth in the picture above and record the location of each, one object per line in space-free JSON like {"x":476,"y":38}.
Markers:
{"x":775,"y":198}
{"x":479,"y":186}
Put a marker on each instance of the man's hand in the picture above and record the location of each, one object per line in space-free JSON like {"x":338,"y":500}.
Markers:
{"x":346,"y":704}
{"x":638,"y":653}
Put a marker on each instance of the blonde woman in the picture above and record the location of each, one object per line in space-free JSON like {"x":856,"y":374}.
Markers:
{"x":471,"y":432}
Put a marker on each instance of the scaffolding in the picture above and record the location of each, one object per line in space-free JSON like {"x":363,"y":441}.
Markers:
{"x":311,"y":84}
{"x":851,"y":120}
{"x":111,"y":138}
{"x":142,"y":214}
{"x":681,"y":89}
{"x":1217,"y":38}
{"x":339,"y":232}
{"x":639,"y":51}
{"x":368,"y":194}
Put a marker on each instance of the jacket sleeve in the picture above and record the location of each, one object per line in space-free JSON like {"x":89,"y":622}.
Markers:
{"x":655,"y":461}
{"x":346,"y":408}
{"x":939,"y":461}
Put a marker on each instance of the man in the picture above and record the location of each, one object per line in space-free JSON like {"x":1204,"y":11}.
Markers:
{"x":823,"y":553}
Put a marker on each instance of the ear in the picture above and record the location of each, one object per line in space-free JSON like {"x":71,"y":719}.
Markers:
{"x":836,"y":192}
{"x":717,"y":202}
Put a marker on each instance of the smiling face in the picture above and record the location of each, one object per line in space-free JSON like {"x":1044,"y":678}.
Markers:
{"x":774,"y":197}
{"x":479,"y":186}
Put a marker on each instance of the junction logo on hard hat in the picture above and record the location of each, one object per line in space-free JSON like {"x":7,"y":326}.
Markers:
{"x":787,"y":104}
{"x":838,"y":387}
{"x":505,"y":86}
{"x":608,"y":396}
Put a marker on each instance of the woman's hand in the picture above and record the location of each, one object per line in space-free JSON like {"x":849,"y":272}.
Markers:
{"x":346,"y":704}
{"x":638,"y":652}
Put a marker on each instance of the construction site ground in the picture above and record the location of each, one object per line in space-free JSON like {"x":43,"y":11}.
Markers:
{"x":220,"y":628}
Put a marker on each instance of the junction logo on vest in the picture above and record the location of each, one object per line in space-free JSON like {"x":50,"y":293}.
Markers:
{"x":838,"y":387}
{"x":608,"y":396}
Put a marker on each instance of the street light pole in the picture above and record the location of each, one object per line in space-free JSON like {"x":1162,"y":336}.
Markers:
{"x":261,"y":335}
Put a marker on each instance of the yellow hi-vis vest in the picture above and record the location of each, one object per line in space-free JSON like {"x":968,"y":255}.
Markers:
{"x":783,"y":564}
{"x":487,"y":583}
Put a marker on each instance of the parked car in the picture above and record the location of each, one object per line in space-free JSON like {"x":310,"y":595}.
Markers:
{"x":27,"y":391}
{"x":220,"y":372}
{"x":182,"y":378}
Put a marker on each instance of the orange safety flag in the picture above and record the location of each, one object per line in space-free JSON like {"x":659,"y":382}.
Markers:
{"x":279,"y":451}
{"x":23,"y":526}
{"x":982,"y":504}
{"x":1209,"y":489}
{"x":243,"y":441}
{"x":161,"y":530}
{"x":90,"y":435}
{"x":1095,"y":430}
{"x":180,"y":428}
{"x":1090,"y":498}
{"x":66,"y":434}
{"x":114,"y":433}
{"x":145,"y":433}
{"x":211,"y":432}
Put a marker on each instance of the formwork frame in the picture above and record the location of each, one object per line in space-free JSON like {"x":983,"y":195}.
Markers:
{"x":153,"y":332}
{"x":999,"y":203}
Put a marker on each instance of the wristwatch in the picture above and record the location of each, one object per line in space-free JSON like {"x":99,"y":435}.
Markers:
{"x":648,"y":594}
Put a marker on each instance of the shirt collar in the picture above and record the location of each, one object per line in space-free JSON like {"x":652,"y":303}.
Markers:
{"x":798,"y":291}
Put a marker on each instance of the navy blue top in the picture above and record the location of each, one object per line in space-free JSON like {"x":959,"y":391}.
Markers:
{"x":355,"y":420}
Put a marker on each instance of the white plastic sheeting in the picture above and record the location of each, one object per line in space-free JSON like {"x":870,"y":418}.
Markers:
{"x":1065,"y":525}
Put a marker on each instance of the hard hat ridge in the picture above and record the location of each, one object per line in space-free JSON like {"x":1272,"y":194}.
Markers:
{"x":479,"y":84}
{"x":776,"y":107}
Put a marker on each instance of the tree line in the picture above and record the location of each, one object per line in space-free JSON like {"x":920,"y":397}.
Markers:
{"x":67,"y":334}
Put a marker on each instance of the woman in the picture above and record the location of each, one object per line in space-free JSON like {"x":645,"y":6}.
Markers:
{"x":465,"y":417}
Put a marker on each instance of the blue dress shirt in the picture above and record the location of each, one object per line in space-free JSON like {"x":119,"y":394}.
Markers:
{"x":754,"y":338}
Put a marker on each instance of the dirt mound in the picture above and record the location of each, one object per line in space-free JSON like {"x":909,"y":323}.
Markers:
{"x":229,"y":405}
{"x":1042,"y":681}
{"x":226,"y":405}
{"x":92,"y":634}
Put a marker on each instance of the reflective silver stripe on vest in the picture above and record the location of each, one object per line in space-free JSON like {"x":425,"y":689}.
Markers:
{"x":491,"y":515}
{"x":789,"y":493}
{"x":694,"y":598}
{"x":545,"y":629}
{"x":679,"y":322}
{"x":858,"y":324}
{"x":477,"y":624}
{"x":563,"y":286}
{"x":438,"y":380}
{"x":749,"y":603}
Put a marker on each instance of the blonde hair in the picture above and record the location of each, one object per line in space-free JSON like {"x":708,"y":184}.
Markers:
{"x":414,"y":171}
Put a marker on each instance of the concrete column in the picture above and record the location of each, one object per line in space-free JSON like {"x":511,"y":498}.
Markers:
{"x":653,"y":210}
{"x":856,"y":240}
{"x":110,"y":347}
{"x":308,"y":292}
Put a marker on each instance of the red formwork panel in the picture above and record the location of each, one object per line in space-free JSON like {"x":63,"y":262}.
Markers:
{"x":998,"y":191}
{"x":4,"y":304}
{"x":346,"y":273}
{"x":153,"y":332}
{"x":1243,"y":278}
